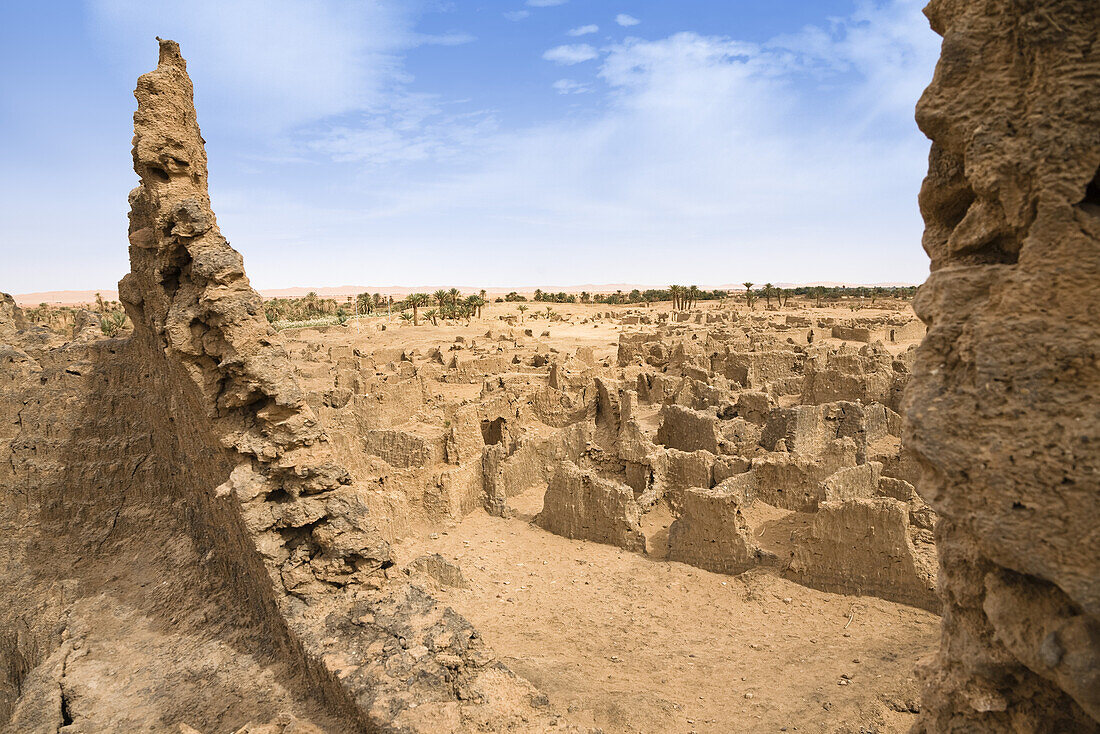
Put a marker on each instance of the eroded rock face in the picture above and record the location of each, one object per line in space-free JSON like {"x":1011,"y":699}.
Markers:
{"x":11,"y":316}
{"x":1003,"y":409}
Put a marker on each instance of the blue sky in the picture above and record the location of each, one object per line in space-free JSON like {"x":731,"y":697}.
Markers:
{"x":483,"y":142}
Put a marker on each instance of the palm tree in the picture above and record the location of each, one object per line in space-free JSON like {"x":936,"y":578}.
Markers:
{"x":749,"y":296}
{"x":484,"y":301}
{"x":521,"y":308}
{"x":676,"y":292}
{"x":693,"y":295}
{"x":442,"y":299}
{"x":475,"y":303}
{"x":112,"y":322}
{"x":415,"y":301}
{"x":454,"y":294}
{"x":768,"y":293}
{"x":818,"y":294}
{"x":363,"y":303}
{"x":432,"y":315}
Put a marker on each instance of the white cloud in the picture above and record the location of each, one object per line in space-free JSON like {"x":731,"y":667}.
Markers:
{"x":545,"y":3}
{"x":570,"y":54}
{"x":583,"y":30}
{"x":272,"y":63}
{"x":626,"y":20}
{"x":514,"y":15}
{"x":789,"y":160}
{"x":569,"y":86}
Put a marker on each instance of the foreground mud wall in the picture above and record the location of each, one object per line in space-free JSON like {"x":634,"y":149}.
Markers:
{"x":1003,"y":408}
{"x":179,"y":544}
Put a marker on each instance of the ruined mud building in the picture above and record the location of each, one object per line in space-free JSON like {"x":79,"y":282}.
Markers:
{"x":212,"y":504}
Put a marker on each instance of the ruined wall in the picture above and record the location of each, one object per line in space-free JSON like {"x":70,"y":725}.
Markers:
{"x":579,"y":504}
{"x":866,"y":546}
{"x":710,"y":532}
{"x":1003,"y":410}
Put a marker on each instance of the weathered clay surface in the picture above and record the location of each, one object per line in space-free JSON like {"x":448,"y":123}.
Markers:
{"x":711,"y":533}
{"x":1003,"y":406}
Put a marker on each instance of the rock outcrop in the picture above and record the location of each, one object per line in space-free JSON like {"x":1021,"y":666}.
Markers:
{"x":1003,"y":409}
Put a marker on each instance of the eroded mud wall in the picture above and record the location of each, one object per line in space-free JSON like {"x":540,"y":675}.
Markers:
{"x":1003,"y":408}
{"x":117,"y":553}
{"x":177,"y":534}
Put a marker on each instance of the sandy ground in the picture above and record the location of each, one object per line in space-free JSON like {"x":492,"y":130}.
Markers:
{"x":627,"y":643}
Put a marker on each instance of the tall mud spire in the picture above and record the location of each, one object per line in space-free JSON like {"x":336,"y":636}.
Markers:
{"x":187,"y":289}
{"x":298,"y":508}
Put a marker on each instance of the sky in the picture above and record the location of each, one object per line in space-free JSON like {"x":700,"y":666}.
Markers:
{"x":492,"y":143}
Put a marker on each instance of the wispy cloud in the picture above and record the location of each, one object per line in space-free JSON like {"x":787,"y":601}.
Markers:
{"x":453,"y":38}
{"x":569,"y":86}
{"x":792,"y":159}
{"x":583,"y":30}
{"x":570,"y":54}
{"x":273,"y":63}
{"x":515,"y":15}
{"x":545,"y":3}
{"x":626,"y":20}
{"x":411,"y":129}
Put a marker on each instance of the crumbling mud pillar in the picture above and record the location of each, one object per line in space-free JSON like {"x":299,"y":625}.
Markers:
{"x":1003,"y":409}
{"x":382,"y":651}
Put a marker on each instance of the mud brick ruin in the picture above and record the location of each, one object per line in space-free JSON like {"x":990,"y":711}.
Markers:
{"x":206,"y":522}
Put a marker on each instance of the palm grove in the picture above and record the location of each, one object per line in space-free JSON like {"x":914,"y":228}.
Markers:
{"x":451,"y":304}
